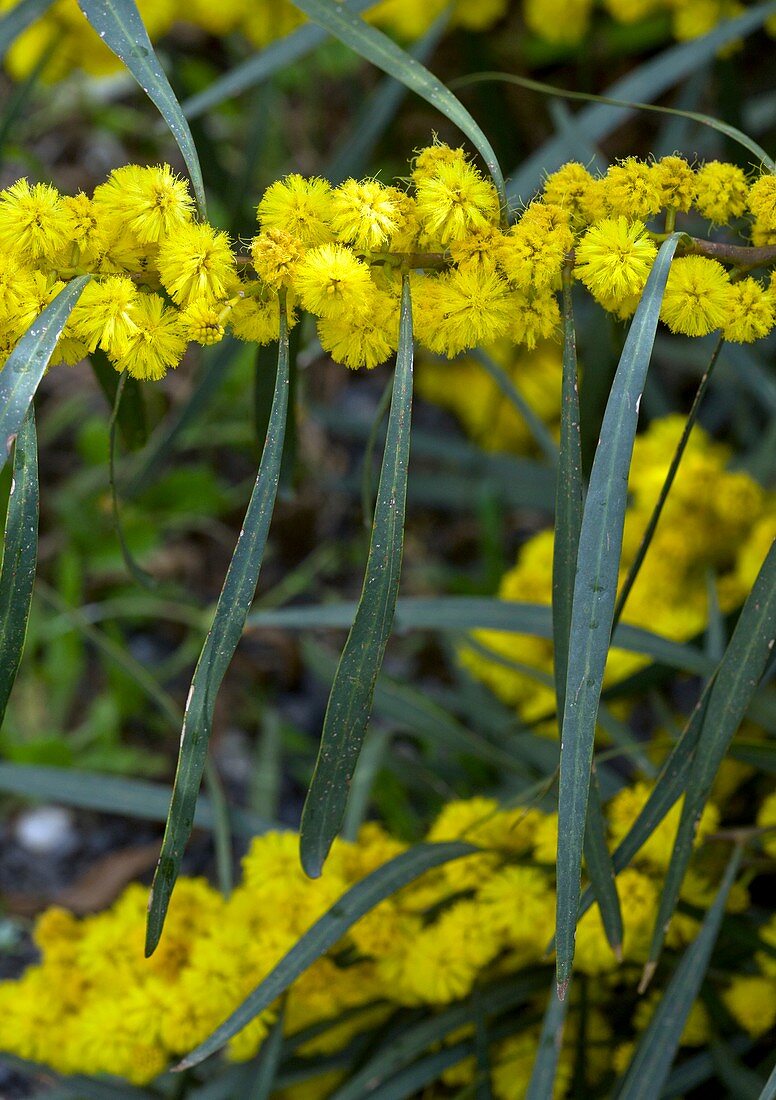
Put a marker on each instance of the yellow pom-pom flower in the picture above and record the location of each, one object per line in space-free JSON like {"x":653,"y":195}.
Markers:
{"x":104,"y":314}
{"x":332,"y":282}
{"x":299,"y":206}
{"x":762,"y":201}
{"x":365,"y":341}
{"x":203,"y":322}
{"x":614,"y":258}
{"x":675,"y":180}
{"x":156,"y":343}
{"x":150,"y":203}
{"x":633,"y":189}
{"x":752,"y":312}
{"x":454,"y":200}
{"x":574,"y":189}
{"x":33,"y":222}
{"x":697,"y":298}
{"x":276,"y":256}
{"x":365,"y":214}
{"x":720,"y":192}
{"x":196,"y":263}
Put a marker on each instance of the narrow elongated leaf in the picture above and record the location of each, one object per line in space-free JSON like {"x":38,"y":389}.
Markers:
{"x":542,"y":1083}
{"x":371,"y":44}
{"x":131,"y":409}
{"x":274,"y":58}
{"x":665,"y":489}
{"x":263,"y":1084}
{"x":569,"y":498}
{"x":745,"y":661}
{"x":657,"y":1049}
{"x":19,"y":19}
{"x":769,"y":1092}
{"x":222,"y":640}
{"x":402,"y":1047}
{"x":119,"y":25}
{"x":112,"y":794}
{"x":326,"y":931}
{"x":26,"y":365}
{"x":449,"y":613}
{"x":20,"y":556}
{"x":355,"y":148}
{"x":644,"y":85}
{"x":350,"y":702}
{"x":725,"y":128}
{"x":600,"y":869}
{"x":595,"y":590}
{"x":539,"y":430}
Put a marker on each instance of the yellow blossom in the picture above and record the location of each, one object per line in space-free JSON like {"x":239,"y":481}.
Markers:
{"x":697,"y":297}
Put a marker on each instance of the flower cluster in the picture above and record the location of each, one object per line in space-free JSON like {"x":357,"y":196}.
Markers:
{"x":162,"y":279}
{"x":716,"y":522}
{"x":94,"y":1005}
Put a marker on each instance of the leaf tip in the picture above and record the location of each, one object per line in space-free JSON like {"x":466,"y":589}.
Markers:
{"x":562,"y":988}
{"x":617,"y":949}
{"x":647,"y":975}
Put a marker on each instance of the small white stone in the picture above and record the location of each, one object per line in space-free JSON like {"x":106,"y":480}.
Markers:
{"x":46,"y":830}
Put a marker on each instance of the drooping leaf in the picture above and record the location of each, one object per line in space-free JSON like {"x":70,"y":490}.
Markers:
{"x":371,"y":44}
{"x":119,"y":25}
{"x":595,"y":590}
{"x":643,"y":85}
{"x":327,"y":930}
{"x":721,"y":127}
{"x":350,"y":701}
{"x":222,"y":640}
{"x":20,"y":556}
{"x":26,"y":365}
{"x":657,"y":1048}
{"x":744,"y":663}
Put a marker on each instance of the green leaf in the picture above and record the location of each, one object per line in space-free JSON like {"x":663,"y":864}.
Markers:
{"x":350,"y":701}
{"x":569,"y":499}
{"x":222,"y":640}
{"x":262,"y":1085}
{"x":542,"y":1083}
{"x":352,"y":154}
{"x":448,"y":613}
{"x":595,"y":590}
{"x":112,"y":794}
{"x":20,"y":556}
{"x":769,"y":1092}
{"x":416,"y":711}
{"x":217,"y":361}
{"x":19,"y":19}
{"x":665,"y":489}
{"x":131,"y":413}
{"x":643,"y":85}
{"x":119,"y":25}
{"x":327,"y":930}
{"x":744,"y":663}
{"x":401,"y":1048}
{"x":657,"y":1049}
{"x":136,"y":571}
{"x":539,"y":430}
{"x":274,"y":58}
{"x":27,"y":363}
{"x":371,"y":44}
{"x":725,"y":128}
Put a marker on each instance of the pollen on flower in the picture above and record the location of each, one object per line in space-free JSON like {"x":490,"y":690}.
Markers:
{"x":33,"y":222}
{"x":697,"y":297}
{"x":197,"y":262}
{"x":614,"y":258}
{"x":331,"y":282}
{"x":300,"y":207}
